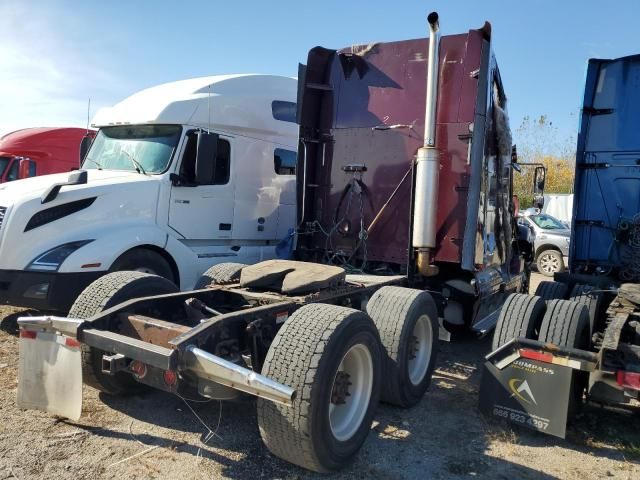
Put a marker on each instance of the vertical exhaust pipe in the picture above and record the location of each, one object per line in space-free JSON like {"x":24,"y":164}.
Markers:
{"x":428,"y":165}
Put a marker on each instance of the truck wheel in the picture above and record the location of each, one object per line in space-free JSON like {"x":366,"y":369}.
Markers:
{"x":220,"y":274}
{"x":106,"y":292}
{"x":550,"y":262}
{"x":145,"y":261}
{"x":331,"y":356}
{"x":566,"y":324}
{"x":584,"y":295}
{"x":552,"y":290}
{"x":407,"y":321}
{"x":520,"y":316}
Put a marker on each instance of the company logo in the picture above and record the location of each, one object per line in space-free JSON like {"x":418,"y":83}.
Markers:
{"x":519,"y":388}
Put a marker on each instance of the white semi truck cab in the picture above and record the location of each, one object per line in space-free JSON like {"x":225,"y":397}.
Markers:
{"x":180,"y":176}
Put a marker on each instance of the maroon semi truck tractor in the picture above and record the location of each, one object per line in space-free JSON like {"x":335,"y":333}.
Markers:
{"x":384,"y":188}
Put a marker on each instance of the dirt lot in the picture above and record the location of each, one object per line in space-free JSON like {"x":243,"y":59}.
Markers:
{"x":158,"y":436}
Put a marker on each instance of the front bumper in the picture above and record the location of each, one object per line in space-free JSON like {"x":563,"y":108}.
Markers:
{"x":47,"y":291}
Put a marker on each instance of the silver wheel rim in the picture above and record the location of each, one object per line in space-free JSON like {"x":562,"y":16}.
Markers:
{"x":356,"y":369}
{"x":421,"y":350}
{"x":549,"y":263}
{"x":145,"y":270}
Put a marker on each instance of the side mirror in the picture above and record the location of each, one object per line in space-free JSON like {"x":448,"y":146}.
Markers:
{"x":539,"y":179}
{"x":206,"y":155}
{"x":514,"y":159}
{"x":27,"y":168}
{"x":538,"y":202}
{"x":85,"y":145}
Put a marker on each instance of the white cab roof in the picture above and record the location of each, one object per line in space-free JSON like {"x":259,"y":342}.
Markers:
{"x":239,"y":104}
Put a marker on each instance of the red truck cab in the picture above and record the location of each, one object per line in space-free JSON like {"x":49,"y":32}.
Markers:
{"x":40,"y":151}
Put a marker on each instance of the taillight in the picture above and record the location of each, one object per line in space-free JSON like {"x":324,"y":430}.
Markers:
{"x":138,"y":368}
{"x":536,"y":355}
{"x":170,"y":377}
{"x":28,"y":334}
{"x":628,"y":379}
{"x":71,"y":342}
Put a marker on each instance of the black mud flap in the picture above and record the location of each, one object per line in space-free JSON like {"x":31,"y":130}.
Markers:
{"x":528,"y":393}
{"x":529,"y":384}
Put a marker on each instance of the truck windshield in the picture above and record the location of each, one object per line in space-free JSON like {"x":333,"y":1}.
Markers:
{"x":547,"y":222}
{"x":141,"y":148}
{"x":4,"y":162}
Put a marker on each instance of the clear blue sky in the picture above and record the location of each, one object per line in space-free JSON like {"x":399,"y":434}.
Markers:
{"x":55,"y":54}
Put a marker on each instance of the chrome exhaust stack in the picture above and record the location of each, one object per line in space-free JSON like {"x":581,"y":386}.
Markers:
{"x":224,"y":372}
{"x":428,"y":165}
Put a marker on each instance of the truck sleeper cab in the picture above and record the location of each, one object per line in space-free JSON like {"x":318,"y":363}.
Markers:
{"x":40,"y":151}
{"x":363,"y":201}
{"x":179,"y":177}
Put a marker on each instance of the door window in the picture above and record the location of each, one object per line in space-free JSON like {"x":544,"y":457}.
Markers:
{"x":223,"y":162}
{"x":4,"y":163}
{"x":285,"y":111}
{"x":284,"y":161}
{"x":13,"y":172}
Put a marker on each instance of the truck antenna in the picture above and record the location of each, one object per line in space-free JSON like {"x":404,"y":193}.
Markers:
{"x":88,"y":114}
{"x":209,"y":109}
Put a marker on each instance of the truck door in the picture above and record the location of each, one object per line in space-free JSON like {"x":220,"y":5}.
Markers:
{"x":496,"y":186}
{"x":265,"y":199}
{"x":203,"y":211}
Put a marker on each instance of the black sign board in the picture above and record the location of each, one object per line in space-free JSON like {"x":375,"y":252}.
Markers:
{"x":528,"y":393}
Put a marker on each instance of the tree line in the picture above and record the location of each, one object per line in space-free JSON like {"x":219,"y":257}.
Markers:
{"x":539,"y":142}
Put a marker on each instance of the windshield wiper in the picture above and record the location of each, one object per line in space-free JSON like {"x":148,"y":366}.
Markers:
{"x":94,"y":162}
{"x":137,"y":164}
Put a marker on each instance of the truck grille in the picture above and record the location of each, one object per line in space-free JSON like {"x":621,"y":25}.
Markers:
{"x":3,"y":210}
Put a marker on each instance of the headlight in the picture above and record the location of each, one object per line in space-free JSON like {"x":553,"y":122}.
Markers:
{"x":51,"y":260}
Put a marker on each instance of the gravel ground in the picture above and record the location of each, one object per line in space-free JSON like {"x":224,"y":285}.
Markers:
{"x":158,"y":436}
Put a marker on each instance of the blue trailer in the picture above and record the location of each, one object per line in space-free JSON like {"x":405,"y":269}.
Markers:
{"x":578,"y":338}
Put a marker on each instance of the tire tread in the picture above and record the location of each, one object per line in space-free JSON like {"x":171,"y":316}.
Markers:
{"x":388,"y":307}
{"x":293,"y":359}
{"x":583,"y":295}
{"x":551,"y":290}
{"x":562,"y":323}
{"x":227,"y":272}
{"x":519,"y":317}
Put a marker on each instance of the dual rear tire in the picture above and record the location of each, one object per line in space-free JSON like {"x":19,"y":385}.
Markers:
{"x":561,"y":322}
{"x":341,"y":361}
